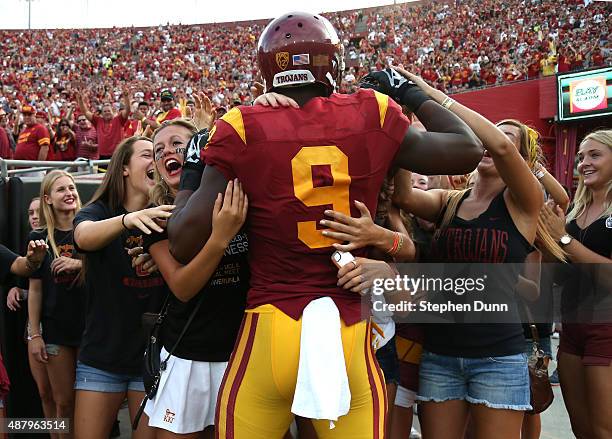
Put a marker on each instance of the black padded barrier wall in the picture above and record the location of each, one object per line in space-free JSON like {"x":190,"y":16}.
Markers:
{"x":15,"y":196}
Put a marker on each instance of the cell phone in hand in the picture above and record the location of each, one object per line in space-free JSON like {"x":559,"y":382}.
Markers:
{"x":340,"y":259}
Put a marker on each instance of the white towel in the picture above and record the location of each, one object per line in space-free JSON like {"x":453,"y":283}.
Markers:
{"x":322,"y":390}
{"x":384,"y":321}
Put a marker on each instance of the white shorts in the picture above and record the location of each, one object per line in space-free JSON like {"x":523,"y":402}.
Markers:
{"x":404,"y":397}
{"x":187,"y":396}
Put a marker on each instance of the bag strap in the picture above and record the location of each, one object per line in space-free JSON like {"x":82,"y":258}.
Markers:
{"x":163,"y":310}
{"x":180,"y":337}
{"x":535,"y":336}
{"x":163,"y":364}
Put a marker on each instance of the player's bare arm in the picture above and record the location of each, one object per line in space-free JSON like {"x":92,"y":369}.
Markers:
{"x":448,"y":139}
{"x":194,"y":201}
{"x":193,"y":212}
{"x":447,"y":147}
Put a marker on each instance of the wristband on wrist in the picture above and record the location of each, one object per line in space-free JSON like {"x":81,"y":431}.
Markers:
{"x":413,"y":97}
{"x":33,"y":336}
{"x":448,"y":102}
{"x":400,"y":244}
{"x":191,"y":177}
{"x":539,"y":172}
{"x":123,"y":221}
{"x":398,"y":241}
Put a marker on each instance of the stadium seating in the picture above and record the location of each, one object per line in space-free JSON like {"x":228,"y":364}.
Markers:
{"x":454,"y":45}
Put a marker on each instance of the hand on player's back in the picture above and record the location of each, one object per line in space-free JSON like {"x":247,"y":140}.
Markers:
{"x":229,"y":212}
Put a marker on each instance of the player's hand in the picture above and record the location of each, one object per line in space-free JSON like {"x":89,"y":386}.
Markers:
{"x":193,"y":158}
{"x":65,"y":264}
{"x":387,"y":81}
{"x":37,"y":250}
{"x":390,"y":82}
{"x":144,"y":219}
{"x":12,"y":299}
{"x":275,"y":100}
{"x":204,"y":115}
{"x":229,"y":212}
{"x":38,"y":349}
{"x":359,"y":276}
{"x":356,"y":232}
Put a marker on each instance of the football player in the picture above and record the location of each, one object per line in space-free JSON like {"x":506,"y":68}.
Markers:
{"x":294,"y":163}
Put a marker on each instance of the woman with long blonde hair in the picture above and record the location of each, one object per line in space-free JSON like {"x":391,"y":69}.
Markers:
{"x":585,"y":351}
{"x":211,"y":288}
{"x":56,"y":303}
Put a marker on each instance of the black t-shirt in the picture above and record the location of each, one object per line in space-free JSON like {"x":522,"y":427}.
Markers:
{"x":585,"y":294}
{"x":492,"y":237}
{"x":7,"y":258}
{"x":63,"y":305}
{"x":213,"y":331}
{"x":117,"y":296}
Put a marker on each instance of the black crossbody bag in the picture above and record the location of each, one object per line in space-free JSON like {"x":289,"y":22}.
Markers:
{"x":153,"y":366}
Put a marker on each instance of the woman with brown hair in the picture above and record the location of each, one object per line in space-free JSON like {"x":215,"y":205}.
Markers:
{"x":585,"y":350}
{"x":106,"y":231}
{"x":540,"y":297}
{"x":504,"y":201}
{"x":477,"y":370}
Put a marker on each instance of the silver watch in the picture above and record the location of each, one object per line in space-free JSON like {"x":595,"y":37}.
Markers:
{"x":565,"y":239}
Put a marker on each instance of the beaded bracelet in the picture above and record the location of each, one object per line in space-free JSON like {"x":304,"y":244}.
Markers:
{"x":399,"y":244}
{"x":396,"y":239}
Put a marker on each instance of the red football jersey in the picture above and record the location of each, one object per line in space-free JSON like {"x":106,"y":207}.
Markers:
{"x":294,"y":164}
{"x":30,"y":141}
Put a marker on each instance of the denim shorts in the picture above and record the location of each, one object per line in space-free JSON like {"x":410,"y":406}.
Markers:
{"x":497,"y":382}
{"x":97,"y":380}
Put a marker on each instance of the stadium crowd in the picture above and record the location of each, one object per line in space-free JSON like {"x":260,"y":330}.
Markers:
{"x":452,"y":45}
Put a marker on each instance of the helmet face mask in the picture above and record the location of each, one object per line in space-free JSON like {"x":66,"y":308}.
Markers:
{"x":298,"y":49}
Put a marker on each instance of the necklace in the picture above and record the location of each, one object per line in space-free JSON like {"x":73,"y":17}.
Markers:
{"x":583,"y":231}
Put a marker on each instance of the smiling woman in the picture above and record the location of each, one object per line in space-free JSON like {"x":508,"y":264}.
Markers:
{"x":585,"y":350}
{"x":169,"y":143}
{"x":55,"y":302}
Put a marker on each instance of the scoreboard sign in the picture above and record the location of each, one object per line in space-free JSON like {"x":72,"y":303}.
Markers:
{"x":585,"y":95}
